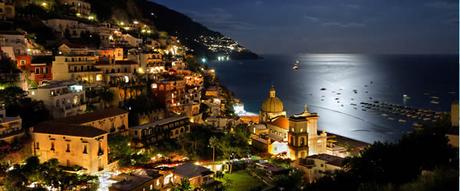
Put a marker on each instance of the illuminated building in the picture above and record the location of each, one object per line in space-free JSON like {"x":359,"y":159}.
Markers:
{"x":35,"y":68}
{"x":61,"y":98}
{"x":81,"y":7}
{"x":294,"y":137}
{"x":303,"y":138}
{"x":169,"y":128}
{"x":71,"y":145}
{"x":14,"y":39}
{"x":317,"y":166}
{"x":111,"y":120}
{"x":117,"y":71}
{"x":76,"y":67}
{"x":10,"y":127}
{"x":272,"y":107}
{"x":171,"y":92}
{"x":212,"y":91}
{"x":196,"y":175}
{"x":110,"y":55}
{"x":133,"y":182}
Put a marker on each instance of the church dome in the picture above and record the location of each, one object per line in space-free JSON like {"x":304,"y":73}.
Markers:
{"x":272,"y":104}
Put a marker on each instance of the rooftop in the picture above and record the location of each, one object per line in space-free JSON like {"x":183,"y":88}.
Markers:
{"x":190,"y":170}
{"x":330,"y":159}
{"x":93,"y":116}
{"x":56,"y":128}
{"x":128,"y":182}
{"x":161,"y":122}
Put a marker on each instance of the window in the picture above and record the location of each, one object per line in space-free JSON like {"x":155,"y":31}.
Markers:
{"x":52,"y":146}
{"x":44,"y":70}
{"x":37,"y":70}
{"x":68,"y":148}
{"x":85,"y":150}
{"x":37,"y":146}
{"x":23,"y":62}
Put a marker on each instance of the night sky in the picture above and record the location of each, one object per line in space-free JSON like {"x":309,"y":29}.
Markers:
{"x":331,"y":26}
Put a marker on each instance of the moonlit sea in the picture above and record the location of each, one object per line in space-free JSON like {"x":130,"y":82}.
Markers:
{"x":346,"y":80}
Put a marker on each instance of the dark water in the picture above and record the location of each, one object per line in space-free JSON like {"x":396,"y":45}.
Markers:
{"x":385,"y":78}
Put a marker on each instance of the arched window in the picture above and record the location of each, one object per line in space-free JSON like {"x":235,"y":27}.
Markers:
{"x":302,"y":141}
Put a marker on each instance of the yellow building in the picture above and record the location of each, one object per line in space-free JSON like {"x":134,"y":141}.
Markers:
{"x":71,"y":145}
{"x":272,"y":107}
{"x":76,"y":67}
{"x":112,"y":120}
{"x":303,"y":138}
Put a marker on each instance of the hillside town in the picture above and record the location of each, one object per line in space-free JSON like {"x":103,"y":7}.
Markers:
{"x":119,"y":105}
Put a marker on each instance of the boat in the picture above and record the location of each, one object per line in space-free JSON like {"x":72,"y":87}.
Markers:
{"x":296,"y":65}
{"x":401,"y":120}
{"x":322,"y":89}
{"x":434,"y":102}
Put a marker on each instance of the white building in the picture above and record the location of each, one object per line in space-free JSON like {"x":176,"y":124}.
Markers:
{"x":14,"y":39}
{"x":63,"y":99}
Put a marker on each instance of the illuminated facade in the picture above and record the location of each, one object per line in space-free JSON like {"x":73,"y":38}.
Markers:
{"x":10,"y":127}
{"x":76,"y":67}
{"x":111,"y":120}
{"x":81,"y":8}
{"x":303,"y":138}
{"x":36,"y":68}
{"x":272,"y":107}
{"x":169,"y":128}
{"x":61,"y":98}
{"x":71,"y":145}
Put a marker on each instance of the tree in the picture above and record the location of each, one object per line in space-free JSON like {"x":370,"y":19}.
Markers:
{"x":389,"y":166}
{"x":213,"y":143}
{"x":183,"y":186}
{"x":291,"y":181}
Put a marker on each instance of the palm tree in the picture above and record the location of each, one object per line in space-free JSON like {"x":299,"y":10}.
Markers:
{"x":213,"y":142}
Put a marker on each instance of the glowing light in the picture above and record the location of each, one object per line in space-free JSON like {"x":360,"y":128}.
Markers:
{"x":126,"y":79}
{"x":78,"y":14}
{"x":99,"y":77}
{"x":203,"y":60}
{"x":154,"y":86}
{"x":90,"y":17}
{"x":136,"y":22}
{"x":122,"y":23}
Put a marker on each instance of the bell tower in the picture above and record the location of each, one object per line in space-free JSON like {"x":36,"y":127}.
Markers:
{"x":298,"y":137}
